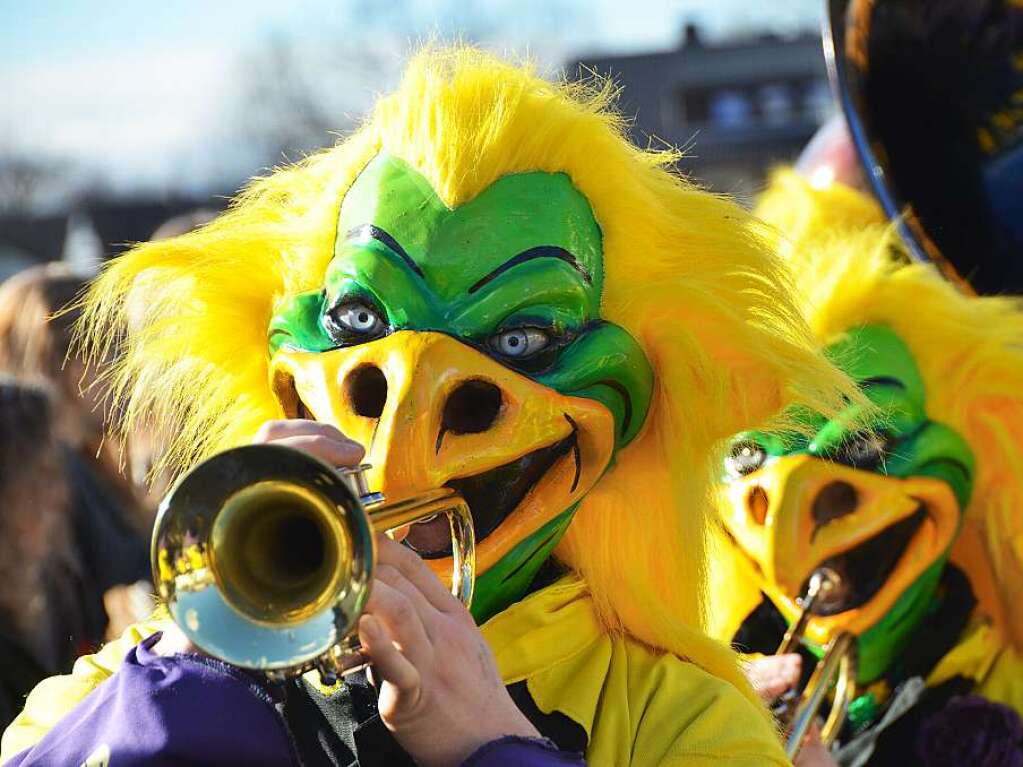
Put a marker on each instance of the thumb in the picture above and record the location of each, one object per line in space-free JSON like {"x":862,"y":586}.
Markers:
{"x":774,"y":674}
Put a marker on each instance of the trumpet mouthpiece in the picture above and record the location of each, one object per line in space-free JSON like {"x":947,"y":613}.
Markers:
{"x":826,"y":587}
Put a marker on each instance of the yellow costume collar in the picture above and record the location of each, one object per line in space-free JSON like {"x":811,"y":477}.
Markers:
{"x":546,"y":628}
{"x":637,"y":705}
{"x":984,"y":655}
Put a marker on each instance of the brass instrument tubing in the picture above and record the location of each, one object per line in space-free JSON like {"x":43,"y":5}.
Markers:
{"x":837,"y":655}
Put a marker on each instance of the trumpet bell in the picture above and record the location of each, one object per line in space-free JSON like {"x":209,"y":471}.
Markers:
{"x":263,"y":556}
{"x":279,"y":552}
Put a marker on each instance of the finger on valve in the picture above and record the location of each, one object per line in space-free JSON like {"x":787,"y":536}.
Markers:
{"x":405,"y":617}
{"x":389,"y":663}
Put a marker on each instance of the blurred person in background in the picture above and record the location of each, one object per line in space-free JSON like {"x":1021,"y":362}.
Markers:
{"x":46,"y":616}
{"x":110,"y":525}
{"x":184,"y":223}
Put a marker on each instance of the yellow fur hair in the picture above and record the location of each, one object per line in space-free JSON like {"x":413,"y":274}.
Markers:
{"x":851,"y":271}
{"x":686,"y":274}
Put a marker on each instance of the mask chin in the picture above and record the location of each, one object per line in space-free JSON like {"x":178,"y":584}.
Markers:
{"x":512,"y":575}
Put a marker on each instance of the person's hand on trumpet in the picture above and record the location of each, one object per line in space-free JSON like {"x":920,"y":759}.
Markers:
{"x":772,"y":676}
{"x":440,"y":693}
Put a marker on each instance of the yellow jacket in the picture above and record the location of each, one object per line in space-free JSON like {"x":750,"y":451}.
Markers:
{"x":982,"y":654}
{"x":637,"y":706}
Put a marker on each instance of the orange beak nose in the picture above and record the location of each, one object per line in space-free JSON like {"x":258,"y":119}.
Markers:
{"x":432,"y":411}
{"x":798,"y":512}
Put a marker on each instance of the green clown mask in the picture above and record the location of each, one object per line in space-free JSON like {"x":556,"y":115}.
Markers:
{"x":464,"y":348}
{"x":880,"y":506}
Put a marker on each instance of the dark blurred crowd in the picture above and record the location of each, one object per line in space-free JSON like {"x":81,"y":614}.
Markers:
{"x":76,"y":505}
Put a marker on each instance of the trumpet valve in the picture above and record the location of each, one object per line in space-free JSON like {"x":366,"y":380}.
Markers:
{"x":355,"y":478}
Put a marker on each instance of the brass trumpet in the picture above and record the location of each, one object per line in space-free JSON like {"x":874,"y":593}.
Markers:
{"x":264,"y":557}
{"x":836,"y":668}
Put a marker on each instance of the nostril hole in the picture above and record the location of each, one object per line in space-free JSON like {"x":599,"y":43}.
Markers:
{"x":367,"y":391}
{"x":471,"y":408}
{"x":757,"y":504}
{"x":835,"y":500}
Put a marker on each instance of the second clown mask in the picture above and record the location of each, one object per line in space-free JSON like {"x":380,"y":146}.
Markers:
{"x":464,"y":348}
{"x":879,"y":507}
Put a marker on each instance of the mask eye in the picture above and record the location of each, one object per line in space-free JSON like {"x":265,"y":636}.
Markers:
{"x":862,"y":450}
{"x":354,"y":322}
{"x":520,"y":343}
{"x":745,"y":457}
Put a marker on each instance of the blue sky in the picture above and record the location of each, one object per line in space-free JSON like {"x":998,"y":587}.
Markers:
{"x":137,"y":93}
{"x":31,"y":30}
{"x":35,"y":30}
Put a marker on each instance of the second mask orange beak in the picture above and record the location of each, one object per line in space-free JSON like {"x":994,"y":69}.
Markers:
{"x":799,"y":512}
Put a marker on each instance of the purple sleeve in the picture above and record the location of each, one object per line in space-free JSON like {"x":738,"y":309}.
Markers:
{"x":522,"y":752}
{"x":158,"y":711}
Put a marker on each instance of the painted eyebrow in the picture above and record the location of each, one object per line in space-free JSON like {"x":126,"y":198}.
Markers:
{"x":953,"y":462}
{"x":373,"y":232}
{"x":542,"y":251}
{"x":883,"y":381}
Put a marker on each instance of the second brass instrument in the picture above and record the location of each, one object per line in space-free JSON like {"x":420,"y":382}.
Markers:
{"x":837,"y":668}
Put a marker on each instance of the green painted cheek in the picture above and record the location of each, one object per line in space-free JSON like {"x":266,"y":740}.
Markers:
{"x":934,"y":450}
{"x":880,"y":648}
{"x":511,"y":576}
{"x":606,"y":364}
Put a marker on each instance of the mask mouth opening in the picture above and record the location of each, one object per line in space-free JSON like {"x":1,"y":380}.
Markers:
{"x":864,"y":569}
{"x":492,"y":496}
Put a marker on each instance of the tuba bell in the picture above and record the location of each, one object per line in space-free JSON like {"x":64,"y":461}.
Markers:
{"x":264,"y":557}
{"x":836,"y":669}
{"x":931,"y":95}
